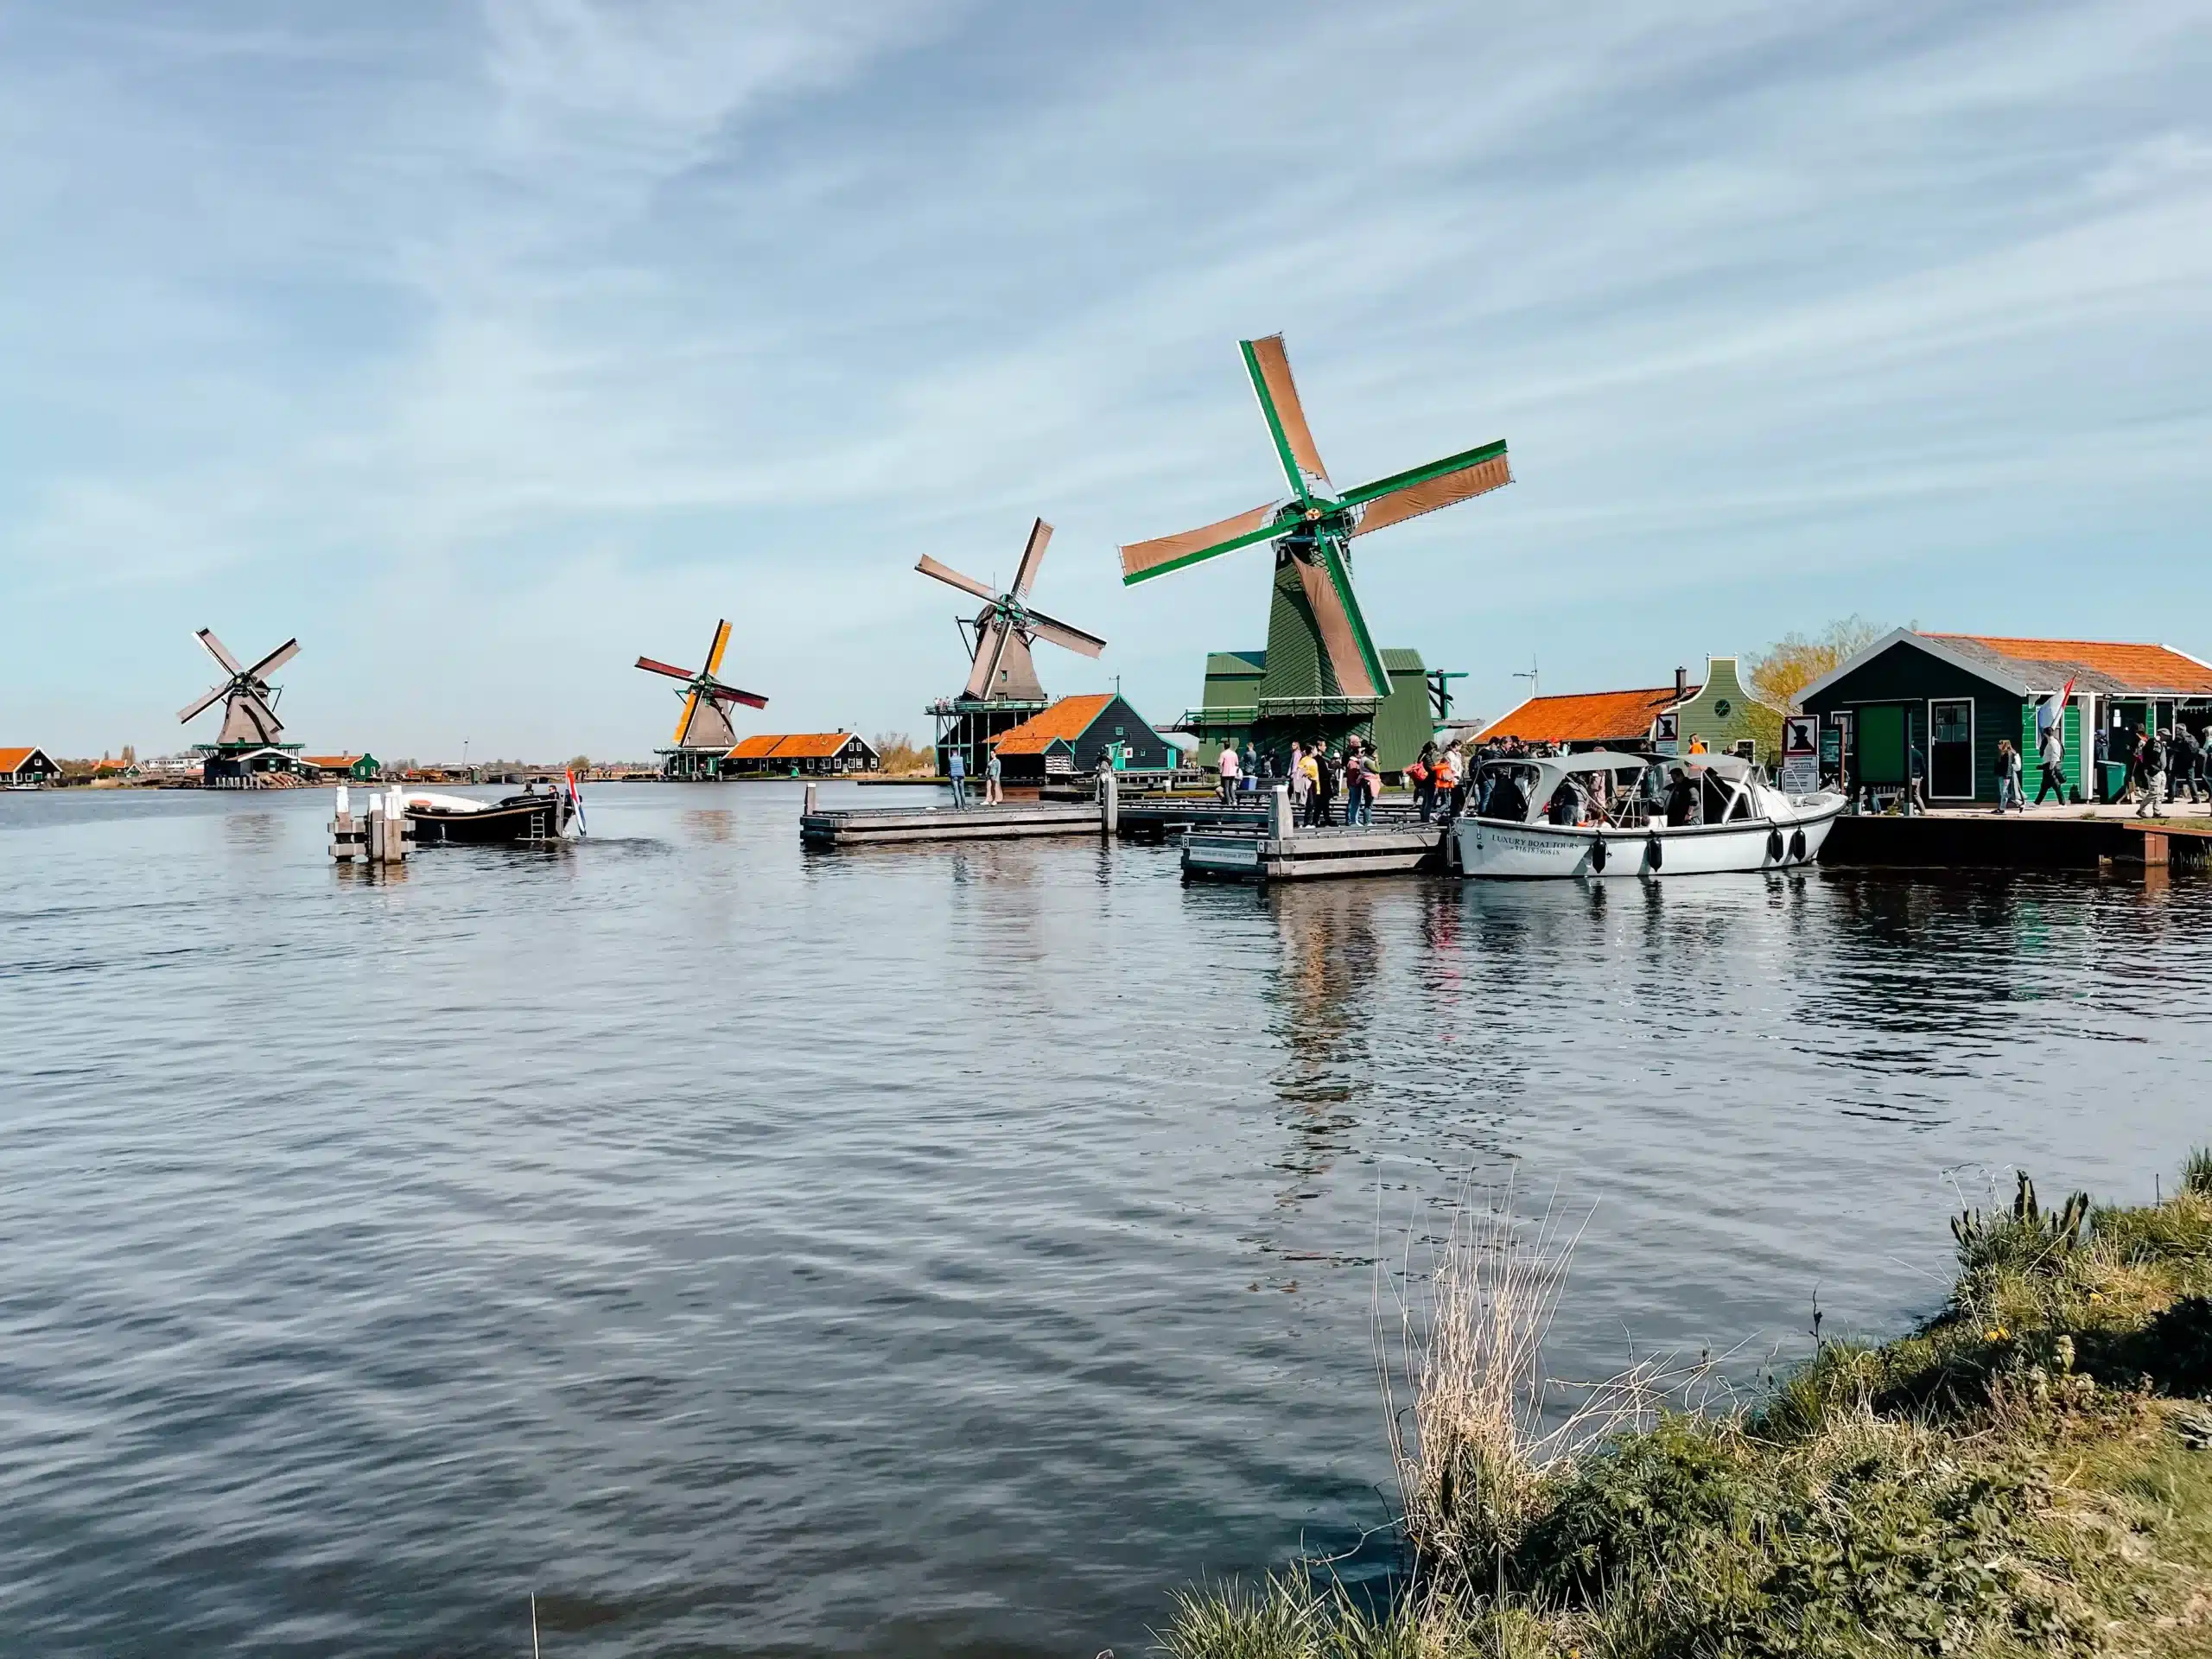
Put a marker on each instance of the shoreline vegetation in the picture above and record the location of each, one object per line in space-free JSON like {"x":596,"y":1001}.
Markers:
{"x":2027,"y":1472}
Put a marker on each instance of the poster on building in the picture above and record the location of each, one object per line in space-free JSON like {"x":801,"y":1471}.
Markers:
{"x":1666,"y":732}
{"x":1801,"y":763}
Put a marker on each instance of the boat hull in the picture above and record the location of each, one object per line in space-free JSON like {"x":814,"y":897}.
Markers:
{"x":1495,"y":850}
{"x":521,"y":818}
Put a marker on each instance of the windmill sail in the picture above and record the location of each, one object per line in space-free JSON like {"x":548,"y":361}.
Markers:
{"x":1002,"y":667}
{"x":705,"y":723}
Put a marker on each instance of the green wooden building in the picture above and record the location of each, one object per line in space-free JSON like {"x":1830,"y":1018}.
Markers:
{"x":1243,"y":702}
{"x":1952,"y":697}
{"x":1726,"y":716}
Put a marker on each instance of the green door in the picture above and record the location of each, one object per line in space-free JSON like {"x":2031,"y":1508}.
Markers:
{"x":1881,"y":745}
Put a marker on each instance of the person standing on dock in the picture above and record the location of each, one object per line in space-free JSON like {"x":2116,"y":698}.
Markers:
{"x":1228,"y":771}
{"x":1422,"y":776}
{"x":2051,"y":750}
{"x":2153,"y":752}
{"x":1297,"y":781}
{"x":2188,"y":762}
{"x":2010,"y":792}
{"x":1312,"y":764}
{"x":993,"y":794}
{"x":956,"y":770}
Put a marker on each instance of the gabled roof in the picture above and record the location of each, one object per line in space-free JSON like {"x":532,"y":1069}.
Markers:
{"x":809,"y":745}
{"x":331,"y":762}
{"x":1065,"y":721}
{"x":1586,"y":716}
{"x":2032,"y":668}
{"x":2098,"y":665}
{"x":756,"y":746}
{"x":15,"y":760}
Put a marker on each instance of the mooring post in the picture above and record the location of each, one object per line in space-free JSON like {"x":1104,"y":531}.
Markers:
{"x":1109,"y":804}
{"x":342,"y":831}
{"x":807,"y":810}
{"x":1279,"y":813}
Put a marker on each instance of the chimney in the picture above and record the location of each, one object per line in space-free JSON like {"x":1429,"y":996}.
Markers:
{"x":1681,"y":683}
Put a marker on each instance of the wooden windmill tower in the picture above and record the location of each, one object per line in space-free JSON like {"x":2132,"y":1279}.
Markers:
{"x":1322,"y":678}
{"x":703,"y":734}
{"x":252,"y":740}
{"x":1003,"y":688}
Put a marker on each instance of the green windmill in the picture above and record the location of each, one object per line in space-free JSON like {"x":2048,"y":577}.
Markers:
{"x":1321,"y":676}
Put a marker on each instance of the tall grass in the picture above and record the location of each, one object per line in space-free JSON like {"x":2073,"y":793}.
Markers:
{"x":2024,"y":1473}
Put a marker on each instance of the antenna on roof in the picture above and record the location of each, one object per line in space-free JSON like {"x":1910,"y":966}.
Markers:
{"x":1535,"y":686}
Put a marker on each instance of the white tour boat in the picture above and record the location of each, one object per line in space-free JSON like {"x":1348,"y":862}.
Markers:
{"x":1608,"y":813}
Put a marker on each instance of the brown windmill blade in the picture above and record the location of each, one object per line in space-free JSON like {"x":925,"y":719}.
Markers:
{"x":669,"y":669}
{"x":1269,"y":366}
{"x":1332,"y":618}
{"x":990,"y":649}
{"x":1063,"y":634}
{"x":1417,"y":490}
{"x":193,"y":710}
{"x":1032,"y":557}
{"x":731,"y":694}
{"x":946,"y":574}
{"x":274,"y":660}
{"x":215,"y":650}
{"x":1166,"y":553}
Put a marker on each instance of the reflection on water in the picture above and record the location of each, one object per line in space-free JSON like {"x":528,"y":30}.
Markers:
{"x":921,"y":1251}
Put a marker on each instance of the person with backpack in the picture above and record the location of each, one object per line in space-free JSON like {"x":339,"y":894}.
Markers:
{"x":1422,"y":776}
{"x":2188,"y":762}
{"x":2154,"y":763}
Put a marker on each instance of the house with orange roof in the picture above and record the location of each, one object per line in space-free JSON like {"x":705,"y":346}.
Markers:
{"x":1070,"y":737}
{"x":1577,"y":721}
{"x":360,"y":768}
{"x":796,"y":754}
{"x":27,"y":767}
{"x":1943,"y":701}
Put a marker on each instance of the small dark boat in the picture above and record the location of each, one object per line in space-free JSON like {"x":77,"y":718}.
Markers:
{"x":536,"y":814}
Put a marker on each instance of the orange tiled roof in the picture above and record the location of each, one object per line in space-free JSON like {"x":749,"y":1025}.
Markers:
{"x":1586,"y":716}
{"x":331,"y":762}
{"x":810,"y":746}
{"x":2126,"y":667}
{"x":11,"y":759}
{"x":1065,"y":721}
{"x":755,"y":747}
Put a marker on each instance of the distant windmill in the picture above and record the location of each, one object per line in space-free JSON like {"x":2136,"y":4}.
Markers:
{"x":1007,"y":624}
{"x":1003,"y":688}
{"x":250,"y":743}
{"x":704,"y":724}
{"x":1319,"y":652}
{"x":248,"y":701}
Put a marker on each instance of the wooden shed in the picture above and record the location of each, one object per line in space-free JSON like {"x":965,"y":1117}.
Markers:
{"x":1952,"y":696}
{"x":1073,"y":734}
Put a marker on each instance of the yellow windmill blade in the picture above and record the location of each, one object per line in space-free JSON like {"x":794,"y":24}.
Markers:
{"x":683,"y":721}
{"x":722,"y":644}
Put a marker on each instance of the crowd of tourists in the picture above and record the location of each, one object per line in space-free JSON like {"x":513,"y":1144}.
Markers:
{"x":2162,"y":766}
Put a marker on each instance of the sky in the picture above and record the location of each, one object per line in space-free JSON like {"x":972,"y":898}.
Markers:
{"x":485,"y":347}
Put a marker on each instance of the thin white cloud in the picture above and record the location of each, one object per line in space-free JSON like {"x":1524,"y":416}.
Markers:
{"x":561,"y":327}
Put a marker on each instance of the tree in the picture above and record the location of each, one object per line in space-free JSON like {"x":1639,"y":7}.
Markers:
{"x":1793,"y":662}
{"x":899,"y":752}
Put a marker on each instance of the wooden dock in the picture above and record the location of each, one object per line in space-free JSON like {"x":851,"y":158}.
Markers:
{"x":1983,"y":841}
{"x":887,"y":826}
{"x":1275,"y":850}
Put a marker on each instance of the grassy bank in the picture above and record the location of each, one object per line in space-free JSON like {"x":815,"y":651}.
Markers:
{"x":2029,"y":1472}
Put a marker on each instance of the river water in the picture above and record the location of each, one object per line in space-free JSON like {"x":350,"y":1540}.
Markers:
{"x":926,"y":1251}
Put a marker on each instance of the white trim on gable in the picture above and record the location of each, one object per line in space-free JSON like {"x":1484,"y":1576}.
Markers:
{"x":1935,"y":648}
